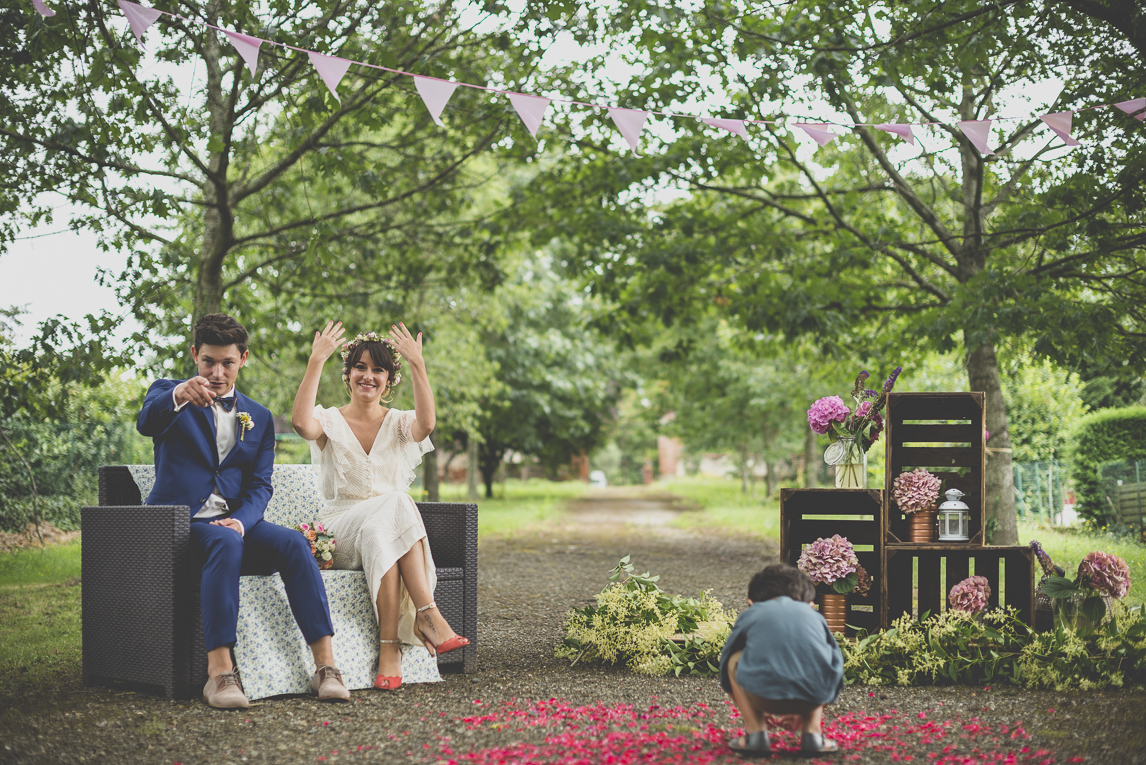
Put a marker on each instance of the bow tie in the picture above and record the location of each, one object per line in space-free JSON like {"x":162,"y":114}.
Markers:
{"x":227,"y":403}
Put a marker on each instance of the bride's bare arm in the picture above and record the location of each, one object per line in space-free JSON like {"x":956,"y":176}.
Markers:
{"x":302,"y":414}
{"x":410,"y":347}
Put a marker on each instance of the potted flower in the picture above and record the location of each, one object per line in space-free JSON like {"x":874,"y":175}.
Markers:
{"x":915,"y":493}
{"x":833,"y":562}
{"x":1101,"y":579}
{"x":851,"y":432}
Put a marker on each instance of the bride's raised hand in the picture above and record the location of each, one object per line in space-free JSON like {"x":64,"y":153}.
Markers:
{"x":406,"y":344}
{"x":326,"y":341}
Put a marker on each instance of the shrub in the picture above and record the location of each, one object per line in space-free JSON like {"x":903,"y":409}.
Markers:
{"x":1102,"y":437}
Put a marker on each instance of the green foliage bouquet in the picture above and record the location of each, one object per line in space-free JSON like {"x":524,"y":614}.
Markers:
{"x":634,"y":622}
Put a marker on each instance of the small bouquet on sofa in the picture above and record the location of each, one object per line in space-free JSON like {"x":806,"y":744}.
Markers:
{"x":834,"y":562}
{"x":321,"y":543}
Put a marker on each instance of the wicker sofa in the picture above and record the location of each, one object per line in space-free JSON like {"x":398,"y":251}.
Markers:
{"x":141,"y":622}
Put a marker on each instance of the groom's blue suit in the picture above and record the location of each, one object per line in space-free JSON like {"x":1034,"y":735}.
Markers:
{"x":188,"y":471}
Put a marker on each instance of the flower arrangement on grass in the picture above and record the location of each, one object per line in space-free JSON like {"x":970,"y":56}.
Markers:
{"x":970,"y":596}
{"x":321,"y":543}
{"x":915,"y":490}
{"x":833,"y":562}
{"x":1101,"y":576}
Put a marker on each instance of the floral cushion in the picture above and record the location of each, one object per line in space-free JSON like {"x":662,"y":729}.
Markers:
{"x":272,"y":655}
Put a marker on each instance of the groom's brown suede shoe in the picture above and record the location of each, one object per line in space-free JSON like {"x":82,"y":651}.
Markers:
{"x":224,"y":692}
{"x":327,"y":683}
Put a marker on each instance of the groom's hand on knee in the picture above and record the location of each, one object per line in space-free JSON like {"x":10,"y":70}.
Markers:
{"x":229,"y":523}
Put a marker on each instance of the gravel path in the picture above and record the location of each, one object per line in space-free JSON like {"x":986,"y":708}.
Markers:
{"x":527,"y":585}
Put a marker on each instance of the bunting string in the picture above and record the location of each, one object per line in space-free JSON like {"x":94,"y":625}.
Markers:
{"x":436,"y":92}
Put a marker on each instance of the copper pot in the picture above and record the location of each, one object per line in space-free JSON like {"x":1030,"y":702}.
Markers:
{"x":834,"y":609}
{"x":922,"y":526}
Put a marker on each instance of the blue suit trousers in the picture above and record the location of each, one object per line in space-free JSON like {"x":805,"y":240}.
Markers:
{"x":265,"y":549}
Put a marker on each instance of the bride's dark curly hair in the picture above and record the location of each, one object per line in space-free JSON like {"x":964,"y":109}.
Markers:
{"x":382,"y":352}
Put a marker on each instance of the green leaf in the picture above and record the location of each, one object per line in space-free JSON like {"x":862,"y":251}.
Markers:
{"x":1058,"y":587}
{"x":1094,"y":609}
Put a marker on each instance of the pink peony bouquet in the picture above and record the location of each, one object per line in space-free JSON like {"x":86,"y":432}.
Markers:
{"x":833,"y":561}
{"x":970,"y":596}
{"x":830,"y":416}
{"x":915,"y":490}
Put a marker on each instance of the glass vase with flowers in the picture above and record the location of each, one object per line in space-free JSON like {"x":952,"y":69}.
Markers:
{"x":851,"y":432}
{"x":1082,"y":604}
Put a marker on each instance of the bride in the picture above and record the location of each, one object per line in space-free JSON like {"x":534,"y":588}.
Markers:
{"x":366,"y":454}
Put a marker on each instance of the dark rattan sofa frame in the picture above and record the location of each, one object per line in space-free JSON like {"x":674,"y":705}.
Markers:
{"x":141,"y":623}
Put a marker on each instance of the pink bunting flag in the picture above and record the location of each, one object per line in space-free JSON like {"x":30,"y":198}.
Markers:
{"x":331,"y":69}
{"x":820,"y":133}
{"x":138,"y":17}
{"x":435,"y":94}
{"x":1059,"y":122}
{"x":248,"y":48}
{"x":630,"y":122}
{"x":899,"y":129}
{"x":44,"y":10}
{"x":1134,"y":105}
{"x":732,"y":126}
{"x":531,"y":109}
{"x":978,"y":131}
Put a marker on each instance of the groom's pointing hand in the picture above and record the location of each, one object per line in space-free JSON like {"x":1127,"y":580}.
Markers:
{"x":195,"y":391}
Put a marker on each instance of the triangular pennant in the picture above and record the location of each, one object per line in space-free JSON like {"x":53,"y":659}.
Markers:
{"x":1134,"y":105}
{"x":44,"y":10}
{"x":138,"y":17}
{"x":435,"y":94}
{"x":1059,"y":122}
{"x":732,"y":126}
{"x":248,"y":48}
{"x":630,"y":122}
{"x":899,"y":129}
{"x":531,"y":109}
{"x":820,"y":133}
{"x":331,"y":69}
{"x":978,"y":131}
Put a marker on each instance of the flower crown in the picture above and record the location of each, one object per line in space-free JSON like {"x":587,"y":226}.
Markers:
{"x":372,"y":337}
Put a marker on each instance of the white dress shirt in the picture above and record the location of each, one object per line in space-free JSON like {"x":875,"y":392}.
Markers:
{"x":226,"y":436}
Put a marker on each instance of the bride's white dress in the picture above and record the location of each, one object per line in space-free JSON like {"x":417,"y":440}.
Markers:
{"x":366,"y":508}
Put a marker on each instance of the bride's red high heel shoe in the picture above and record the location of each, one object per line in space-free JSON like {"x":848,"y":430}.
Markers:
{"x":384,"y":683}
{"x":454,"y":643}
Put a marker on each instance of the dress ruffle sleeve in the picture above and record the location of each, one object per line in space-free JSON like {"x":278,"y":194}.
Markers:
{"x":411,"y":450}
{"x":331,"y":468}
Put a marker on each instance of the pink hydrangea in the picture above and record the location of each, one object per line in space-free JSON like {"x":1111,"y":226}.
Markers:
{"x":915,"y":491}
{"x":827,"y":560}
{"x":970,"y":596}
{"x":863,"y":583}
{"x":863,"y":409}
{"x":1107,"y":573}
{"x":826,"y":411}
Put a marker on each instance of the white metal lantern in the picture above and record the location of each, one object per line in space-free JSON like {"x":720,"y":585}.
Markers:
{"x":954,"y":518}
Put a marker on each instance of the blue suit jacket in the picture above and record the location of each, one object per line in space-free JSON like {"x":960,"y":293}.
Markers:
{"x":187,"y":467}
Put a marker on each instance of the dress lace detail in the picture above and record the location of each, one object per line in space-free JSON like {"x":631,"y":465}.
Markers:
{"x":366,"y":507}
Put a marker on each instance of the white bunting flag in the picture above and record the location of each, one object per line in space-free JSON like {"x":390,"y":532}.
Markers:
{"x":248,"y":48}
{"x":732,"y":126}
{"x":820,"y":133}
{"x":435,"y":94}
{"x":531,"y":109}
{"x":1134,"y":105}
{"x":138,"y":17}
{"x":977,"y":131}
{"x":331,"y":69}
{"x":899,"y":129}
{"x":44,"y":10}
{"x":630,"y":122}
{"x":1059,"y":122}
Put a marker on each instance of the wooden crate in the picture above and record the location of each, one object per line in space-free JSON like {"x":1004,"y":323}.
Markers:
{"x":808,"y":514}
{"x":918,"y":578}
{"x":942,"y":432}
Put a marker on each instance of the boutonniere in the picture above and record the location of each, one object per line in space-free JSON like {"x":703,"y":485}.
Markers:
{"x":245,"y":424}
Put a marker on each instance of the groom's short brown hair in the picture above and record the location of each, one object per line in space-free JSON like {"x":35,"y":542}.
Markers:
{"x":220,"y":329}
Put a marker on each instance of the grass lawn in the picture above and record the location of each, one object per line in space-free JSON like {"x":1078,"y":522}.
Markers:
{"x":39,"y":622}
{"x":516,"y":506}
{"x":724,"y":507}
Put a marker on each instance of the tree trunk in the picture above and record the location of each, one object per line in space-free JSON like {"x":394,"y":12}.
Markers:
{"x":769,"y":479}
{"x":810,"y":458}
{"x":472,"y":469}
{"x":430,"y":477}
{"x":999,"y":504}
{"x":743,"y":471}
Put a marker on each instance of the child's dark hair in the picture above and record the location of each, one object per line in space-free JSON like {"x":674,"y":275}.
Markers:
{"x":781,"y":579}
{"x":219,"y":329}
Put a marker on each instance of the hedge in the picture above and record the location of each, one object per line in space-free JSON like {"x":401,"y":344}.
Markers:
{"x":1102,"y":437}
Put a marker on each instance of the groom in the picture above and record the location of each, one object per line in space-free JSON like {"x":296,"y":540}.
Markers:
{"x":214,"y":452}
